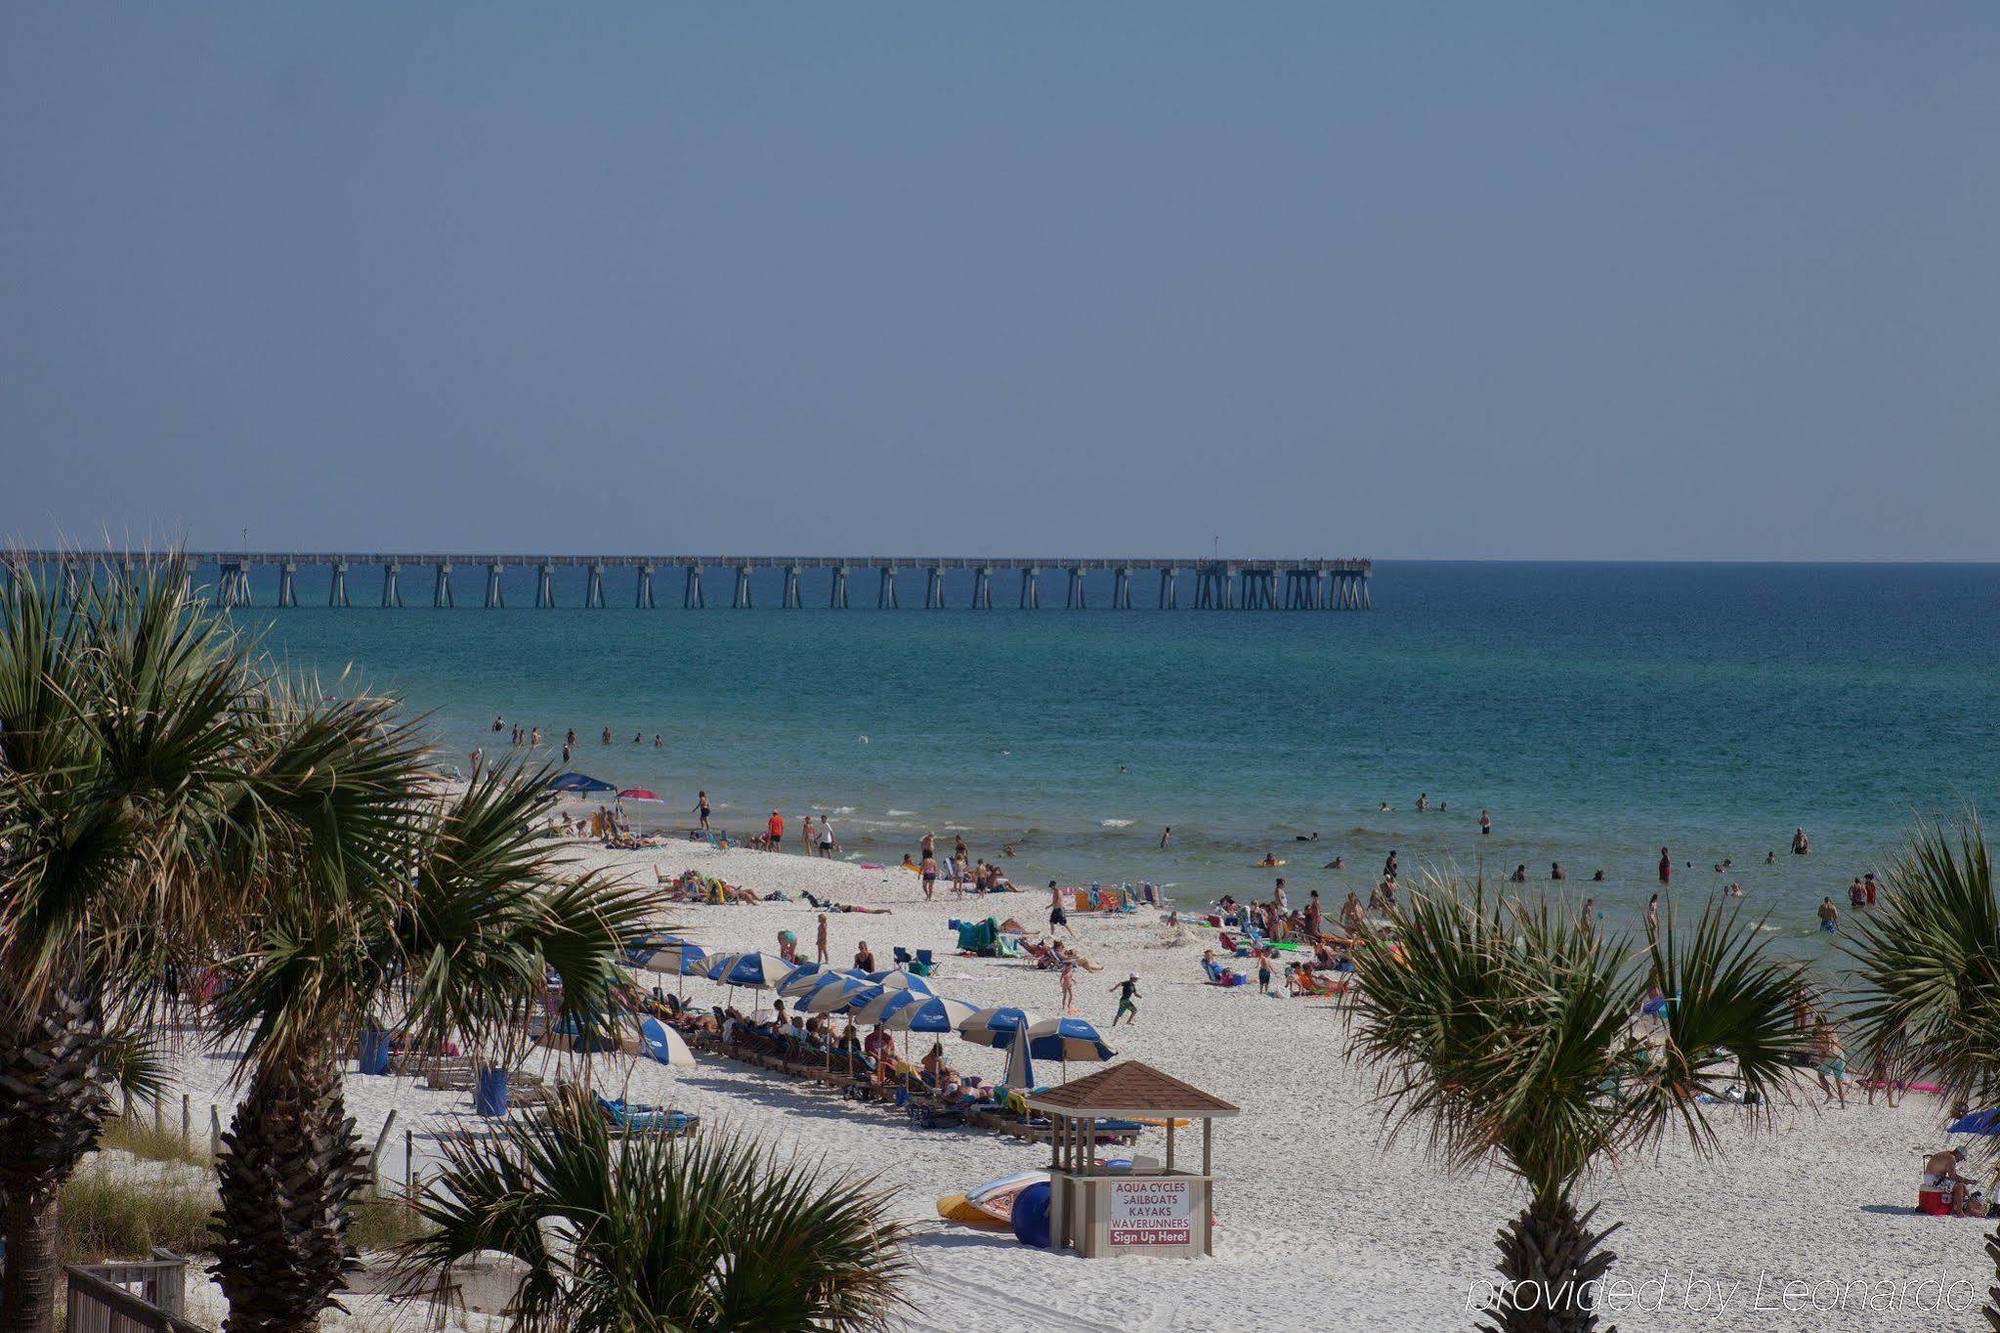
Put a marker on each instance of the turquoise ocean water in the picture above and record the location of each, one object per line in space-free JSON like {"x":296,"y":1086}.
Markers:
{"x":1597,"y":711}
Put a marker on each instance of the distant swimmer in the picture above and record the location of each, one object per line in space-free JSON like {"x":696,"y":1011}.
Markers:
{"x":1520,"y":875}
{"x":496,"y":722}
{"x":1485,"y":822}
{"x":1556,"y":870}
{"x":1423,"y":802}
{"x":656,"y":740}
{"x":1770,"y":858}
{"x":1337,"y":863}
{"x":607,"y":735}
{"x":1588,"y":916}
{"x":1385,"y":807}
{"x":1166,"y":836}
{"x":1801,"y":845}
{"x":638,"y":739}
{"x":1270,"y":859}
{"x":1666,"y":867}
{"x":1829,"y":915}
{"x":1732,"y":890}
{"x":1305,"y":837}
{"x":1857,"y":894}
{"x":1389,"y":866}
{"x":1653,"y":914}
{"x":1123,"y":769}
{"x":1598,"y":878}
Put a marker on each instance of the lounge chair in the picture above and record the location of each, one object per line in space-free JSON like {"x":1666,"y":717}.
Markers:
{"x":635,"y":1118}
{"x":1219,"y":975}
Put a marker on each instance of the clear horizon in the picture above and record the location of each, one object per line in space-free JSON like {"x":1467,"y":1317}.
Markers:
{"x":1704,"y":285}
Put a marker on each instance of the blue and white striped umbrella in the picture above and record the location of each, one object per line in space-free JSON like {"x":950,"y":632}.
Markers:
{"x":713,"y":965}
{"x":930,"y":1013}
{"x":801,"y":980}
{"x":907,"y":981}
{"x":877,"y":1004}
{"x":995,"y":1026}
{"x":834,"y":996}
{"x":756,"y":970}
{"x":668,"y":954}
{"x":1067,"y":1039}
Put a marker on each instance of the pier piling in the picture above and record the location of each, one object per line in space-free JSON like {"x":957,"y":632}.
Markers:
{"x":593,"y":591}
{"x":1031,"y":588}
{"x":336,"y":591}
{"x":885,"y":597}
{"x":288,"y":592}
{"x":441,"y":590}
{"x":1073,"y":599}
{"x":391,"y":595}
{"x":934,"y":590}
{"x":790,"y":600}
{"x":837,"y":594}
{"x":496,"y":596}
{"x":691,"y":598}
{"x":982,"y":588}
{"x":642,"y":594}
{"x":741,"y":601}
{"x":545,"y":584}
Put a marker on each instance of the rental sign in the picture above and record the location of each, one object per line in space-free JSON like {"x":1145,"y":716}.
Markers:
{"x":1151,"y":1212}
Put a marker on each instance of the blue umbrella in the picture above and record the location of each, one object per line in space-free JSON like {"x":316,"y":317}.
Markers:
{"x":930,"y":1013}
{"x":580,"y":783}
{"x":662,"y":953}
{"x":836,"y":995}
{"x":875,"y":1005}
{"x":752,"y":969}
{"x":801,"y":980}
{"x":1067,"y":1039}
{"x":906,"y":981}
{"x":995,"y":1027}
{"x":1977,"y":1122}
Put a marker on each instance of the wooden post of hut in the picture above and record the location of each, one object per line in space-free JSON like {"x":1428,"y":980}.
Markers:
{"x":1145,"y":1209}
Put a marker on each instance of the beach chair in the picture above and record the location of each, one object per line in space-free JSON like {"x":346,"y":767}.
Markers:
{"x":637,"y":1118}
{"x":1218,"y":975}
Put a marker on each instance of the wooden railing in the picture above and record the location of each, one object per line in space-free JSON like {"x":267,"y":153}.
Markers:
{"x":141,"y":1296}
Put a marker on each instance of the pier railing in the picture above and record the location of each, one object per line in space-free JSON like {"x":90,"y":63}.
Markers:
{"x":1287,"y":583}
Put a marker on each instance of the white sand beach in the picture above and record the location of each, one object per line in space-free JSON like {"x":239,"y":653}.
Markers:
{"x":1320,"y":1223}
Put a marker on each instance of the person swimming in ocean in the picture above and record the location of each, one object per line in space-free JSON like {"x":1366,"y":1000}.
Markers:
{"x":1801,"y":844}
{"x":1166,"y":836}
{"x":1337,"y":863}
{"x":1598,"y":878}
{"x":1306,"y":837}
{"x":1270,"y":859}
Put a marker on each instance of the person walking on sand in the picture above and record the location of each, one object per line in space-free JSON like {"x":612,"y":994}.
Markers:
{"x":1057,"y":916}
{"x":806,"y":834}
{"x":929,"y":870}
{"x":1263,"y":972}
{"x":819,"y":940}
{"x":1128,"y":992}
{"x":1067,"y":975}
{"x":701,"y":808}
{"x":774,"y":829}
{"x":826,"y":836}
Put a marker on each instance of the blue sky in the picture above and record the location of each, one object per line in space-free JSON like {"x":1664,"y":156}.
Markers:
{"x":1549,"y":280}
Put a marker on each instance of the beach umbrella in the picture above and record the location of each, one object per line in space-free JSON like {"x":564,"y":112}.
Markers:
{"x":663,"y":1044}
{"x":757,"y":970}
{"x":832,"y":998}
{"x":638,"y":794}
{"x":907,"y":981}
{"x":875,"y":1005}
{"x":581,"y":784}
{"x":667,"y":954}
{"x":802,"y":979}
{"x":713,"y":965}
{"x":930,"y":1013}
{"x":1067,"y":1039}
{"x":1020,"y":1065}
{"x":995,"y":1026}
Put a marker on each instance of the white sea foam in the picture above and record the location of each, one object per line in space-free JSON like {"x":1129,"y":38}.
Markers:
{"x":1114,"y":823}
{"x":894,"y":813}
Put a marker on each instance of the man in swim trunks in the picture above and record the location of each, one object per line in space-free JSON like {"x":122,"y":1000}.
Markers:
{"x":1128,"y":991}
{"x":1057,"y":916}
{"x":701,"y":809}
{"x":774,"y":828}
{"x":1829,"y":915}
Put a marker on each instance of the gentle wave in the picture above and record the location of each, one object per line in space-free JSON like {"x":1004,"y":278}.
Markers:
{"x":1115,"y":823}
{"x":894,"y":813}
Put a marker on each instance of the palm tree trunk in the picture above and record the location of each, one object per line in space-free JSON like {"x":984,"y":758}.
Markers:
{"x":51,"y":1109}
{"x":290,"y":1165}
{"x":1548,"y":1256}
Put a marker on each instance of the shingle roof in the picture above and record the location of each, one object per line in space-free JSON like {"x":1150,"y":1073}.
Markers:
{"x":1131,"y":1088}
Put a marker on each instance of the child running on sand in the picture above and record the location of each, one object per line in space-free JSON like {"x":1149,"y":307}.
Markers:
{"x":1128,"y":991}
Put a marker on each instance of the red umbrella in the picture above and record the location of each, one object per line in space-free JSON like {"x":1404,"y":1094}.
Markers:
{"x":638,"y":794}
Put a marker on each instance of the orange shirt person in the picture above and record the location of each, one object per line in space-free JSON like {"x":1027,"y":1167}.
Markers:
{"x":776,"y":828}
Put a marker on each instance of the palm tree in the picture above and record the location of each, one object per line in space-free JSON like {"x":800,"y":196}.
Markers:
{"x":638,"y":1234}
{"x":1506,"y":1031}
{"x":123,"y":809}
{"x":1928,"y":967}
{"x":457,"y":922}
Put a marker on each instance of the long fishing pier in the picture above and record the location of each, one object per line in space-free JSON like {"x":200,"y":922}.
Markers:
{"x":1248,"y":584}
